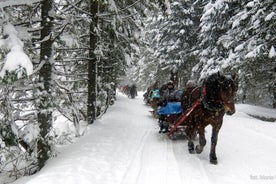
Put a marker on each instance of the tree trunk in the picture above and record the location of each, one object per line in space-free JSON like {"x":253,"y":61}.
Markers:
{"x":274,"y":95}
{"x":45,"y":114}
{"x":92,"y":65}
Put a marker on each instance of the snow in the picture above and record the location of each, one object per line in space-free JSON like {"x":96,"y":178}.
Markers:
{"x":257,"y":111}
{"x":5,"y":3}
{"x":270,"y":16}
{"x":225,"y":40}
{"x":70,"y":40}
{"x":250,"y":4}
{"x":168,"y":7}
{"x":272,"y":52}
{"x":112,"y":5}
{"x":128,"y":59}
{"x":16,"y":57}
{"x":124,"y":147}
{"x":254,"y":53}
{"x":239,"y":47}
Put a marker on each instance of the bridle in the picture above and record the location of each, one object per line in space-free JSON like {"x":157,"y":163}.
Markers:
{"x":217,"y":105}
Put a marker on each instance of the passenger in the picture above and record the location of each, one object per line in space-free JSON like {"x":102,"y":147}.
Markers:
{"x":170,"y":95}
{"x":154,"y":100}
{"x":133,"y":91}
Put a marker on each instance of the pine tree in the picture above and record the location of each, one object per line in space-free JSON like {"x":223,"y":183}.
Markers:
{"x":45,"y":79}
{"x":17,"y":104}
{"x":92,"y":63}
{"x":251,"y":36}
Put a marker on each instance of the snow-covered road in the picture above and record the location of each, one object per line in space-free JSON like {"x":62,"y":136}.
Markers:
{"x":124,"y":147}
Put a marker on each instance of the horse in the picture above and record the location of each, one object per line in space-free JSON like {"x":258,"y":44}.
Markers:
{"x":215,"y":97}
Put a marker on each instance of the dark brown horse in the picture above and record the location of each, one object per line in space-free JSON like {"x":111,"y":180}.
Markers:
{"x":216,"y":96}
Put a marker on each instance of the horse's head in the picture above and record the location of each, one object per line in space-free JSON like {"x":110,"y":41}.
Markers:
{"x":219,"y":93}
{"x":226,"y":93}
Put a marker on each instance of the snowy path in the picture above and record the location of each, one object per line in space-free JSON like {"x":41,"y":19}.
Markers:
{"x":124,"y":147}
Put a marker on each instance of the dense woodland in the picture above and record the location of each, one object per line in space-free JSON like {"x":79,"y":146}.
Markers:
{"x":82,"y":50}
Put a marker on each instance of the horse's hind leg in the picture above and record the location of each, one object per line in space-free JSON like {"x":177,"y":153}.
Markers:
{"x":202,"y":141}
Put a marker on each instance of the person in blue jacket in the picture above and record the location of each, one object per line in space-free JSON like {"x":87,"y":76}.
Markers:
{"x":168,"y":105}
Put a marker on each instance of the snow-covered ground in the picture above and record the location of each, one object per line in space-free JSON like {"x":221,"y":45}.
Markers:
{"x":124,"y":147}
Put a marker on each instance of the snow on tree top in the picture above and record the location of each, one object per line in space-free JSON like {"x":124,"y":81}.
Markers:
{"x":5,"y":3}
{"x":270,"y":16}
{"x":272,"y":52}
{"x":16,"y":58}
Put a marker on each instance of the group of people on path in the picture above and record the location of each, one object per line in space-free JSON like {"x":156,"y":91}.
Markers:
{"x":129,"y":90}
{"x":164,"y":100}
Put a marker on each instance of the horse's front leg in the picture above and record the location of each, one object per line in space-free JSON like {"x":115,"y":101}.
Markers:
{"x":189,"y":133}
{"x":202,"y":141}
{"x":214,"y":139}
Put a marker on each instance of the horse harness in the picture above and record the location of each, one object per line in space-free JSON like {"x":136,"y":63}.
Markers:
{"x":215,"y":107}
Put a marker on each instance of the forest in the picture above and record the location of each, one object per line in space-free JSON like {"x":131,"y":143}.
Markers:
{"x":68,"y":57}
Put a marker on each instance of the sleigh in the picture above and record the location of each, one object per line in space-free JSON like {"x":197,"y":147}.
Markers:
{"x":175,"y":130}
{"x":176,"y":118}
{"x":177,"y":125}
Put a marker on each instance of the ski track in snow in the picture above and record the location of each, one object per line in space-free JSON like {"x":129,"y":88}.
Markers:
{"x":126,"y":148}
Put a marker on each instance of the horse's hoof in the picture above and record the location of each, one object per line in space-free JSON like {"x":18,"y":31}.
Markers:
{"x":198,"y":149}
{"x":213,"y":159}
{"x":191,"y":147}
{"x":215,"y":162}
{"x":191,"y":151}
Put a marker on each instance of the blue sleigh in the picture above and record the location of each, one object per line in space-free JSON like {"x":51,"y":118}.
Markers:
{"x":171,"y":108}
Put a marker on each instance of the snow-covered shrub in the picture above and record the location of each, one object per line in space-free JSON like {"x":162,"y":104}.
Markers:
{"x":16,"y":64}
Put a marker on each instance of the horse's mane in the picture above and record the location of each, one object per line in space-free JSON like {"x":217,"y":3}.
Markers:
{"x":211,"y":87}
